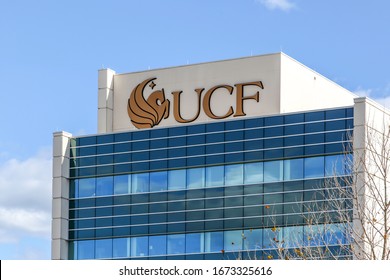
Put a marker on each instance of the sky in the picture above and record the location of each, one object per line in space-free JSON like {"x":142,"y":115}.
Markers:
{"x":51,"y":51}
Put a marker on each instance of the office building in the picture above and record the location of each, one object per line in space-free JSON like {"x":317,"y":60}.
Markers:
{"x":219,"y":160}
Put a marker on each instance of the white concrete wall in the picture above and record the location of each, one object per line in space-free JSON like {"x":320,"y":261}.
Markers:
{"x":60,"y":195}
{"x":304,"y":89}
{"x":372,"y":176}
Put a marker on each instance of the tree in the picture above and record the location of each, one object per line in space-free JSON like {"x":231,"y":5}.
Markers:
{"x":351,"y":209}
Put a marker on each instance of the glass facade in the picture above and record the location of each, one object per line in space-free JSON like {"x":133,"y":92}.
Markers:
{"x":222,"y":190}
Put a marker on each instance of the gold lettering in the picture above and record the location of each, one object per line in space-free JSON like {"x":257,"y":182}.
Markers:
{"x":176,"y":106}
{"x":240,"y":96}
{"x":206,"y":102}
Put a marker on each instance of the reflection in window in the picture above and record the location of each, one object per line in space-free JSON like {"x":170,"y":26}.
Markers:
{"x":214,"y":176}
{"x":87,"y":187}
{"x":103,"y":248}
{"x":86,"y":250}
{"x":233,"y":240}
{"x":293,"y":236}
{"x":122,"y":184}
{"x":234,"y":174}
{"x":140,"y":182}
{"x":313,"y":235}
{"x":195,"y":178}
{"x":253,"y":239}
{"x":253,"y":173}
{"x":195,"y":243}
{"x":293,"y":169}
{"x":177,"y":179}
{"x":314,"y":167}
{"x":157,"y":245}
{"x":334,"y":165}
{"x":121,"y":247}
{"x":176,"y":244}
{"x":104,"y":186}
{"x":158,"y":181}
{"x":273,"y":171}
{"x":139,"y":246}
{"x":213,"y":241}
{"x":272,"y":237}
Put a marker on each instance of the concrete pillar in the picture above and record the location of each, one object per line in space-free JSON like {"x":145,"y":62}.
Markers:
{"x":105,"y":100}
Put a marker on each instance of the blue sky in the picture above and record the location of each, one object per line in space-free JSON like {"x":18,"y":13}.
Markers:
{"x":50,"y":52}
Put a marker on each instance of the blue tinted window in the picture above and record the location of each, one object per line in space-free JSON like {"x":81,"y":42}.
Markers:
{"x":83,"y":141}
{"x":213,"y":241}
{"x":335,"y":114}
{"x":293,"y":236}
{"x":104,"y":186}
{"x":121,"y":247}
{"x":121,"y":137}
{"x":195,"y":178}
{"x":193,"y":129}
{"x":157,"y":133}
{"x":157,"y":245}
{"x":87,"y":187}
{"x":234,"y":174}
{"x":273,"y":171}
{"x":124,"y":147}
{"x":122,"y":184}
{"x":273,"y":120}
{"x":103,"y":248}
{"x":314,"y":116}
{"x":253,"y":173}
{"x":139,"y":246}
{"x":158,"y":181}
{"x":176,"y":179}
{"x":271,"y":237}
{"x":140,"y":182}
{"x":86,"y":249}
{"x":195,"y":243}
{"x":233,"y":240}
{"x":293,"y":169}
{"x":214,"y":176}
{"x":253,"y":239}
{"x":335,"y":165}
{"x":314,"y":167}
{"x":296,"y":118}
{"x":176,"y":244}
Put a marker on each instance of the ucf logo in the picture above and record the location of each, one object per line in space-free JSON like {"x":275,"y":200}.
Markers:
{"x":146,"y":113}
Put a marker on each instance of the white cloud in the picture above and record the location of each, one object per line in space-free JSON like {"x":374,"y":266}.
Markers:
{"x":25,"y":203}
{"x":284,"y":5}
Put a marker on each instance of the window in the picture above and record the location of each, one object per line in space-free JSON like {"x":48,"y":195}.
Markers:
{"x":314,"y":167}
{"x":234,"y":174}
{"x":253,"y":239}
{"x":157,"y":245}
{"x":158,"y":181}
{"x":176,"y":244}
{"x":293,"y":236}
{"x":253,"y":173}
{"x":86,"y":249}
{"x":87,"y":187}
{"x":334,"y":165}
{"x":195,"y":178}
{"x":293,"y":169}
{"x":177,"y":179}
{"x":104,"y":186}
{"x":233,"y":240}
{"x":273,"y":171}
{"x":103,"y":248}
{"x":214,"y":176}
{"x":122,"y":184}
{"x":139,"y":246}
{"x":140,"y":182}
{"x":195,"y":243}
{"x":213,"y":241}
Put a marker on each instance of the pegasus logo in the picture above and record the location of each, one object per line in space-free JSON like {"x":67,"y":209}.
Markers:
{"x":147,"y":113}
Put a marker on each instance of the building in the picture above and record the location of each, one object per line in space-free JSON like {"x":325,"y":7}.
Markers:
{"x":219,"y":160}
